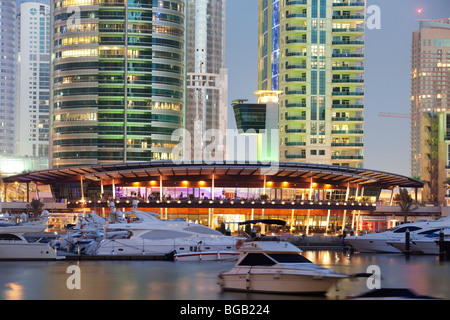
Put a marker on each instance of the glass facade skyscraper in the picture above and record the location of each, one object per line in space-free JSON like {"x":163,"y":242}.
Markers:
{"x":313,"y":51}
{"x":206,"y":85}
{"x":118,"y":74}
{"x":430,"y":103}
{"x":7,"y":76}
{"x":33,"y":79}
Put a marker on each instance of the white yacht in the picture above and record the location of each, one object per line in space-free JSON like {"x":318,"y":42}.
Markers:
{"x":377,"y":242}
{"x":14,"y":246}
{"x":422,"y":244}
{"x":277,"y":267}
{"x":26,"y":225}
{"x":89,"y":228}
{"x":152,"y":236}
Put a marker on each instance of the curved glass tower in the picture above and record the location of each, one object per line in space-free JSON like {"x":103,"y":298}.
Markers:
{"x":110,"y":100}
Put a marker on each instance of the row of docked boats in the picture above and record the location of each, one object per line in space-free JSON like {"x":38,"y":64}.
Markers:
{"x":144,"y":234}
{"x":262,"y":266}
{"x":424,"y":238}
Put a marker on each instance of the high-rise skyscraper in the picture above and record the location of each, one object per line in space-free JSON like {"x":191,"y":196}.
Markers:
{"x":118,"y":80}
{"x":33,"y":79}
{"x":430,"y":108}
{"x":207,"y":84}
{"x":313,"y":51}
{"x":7,"y":76}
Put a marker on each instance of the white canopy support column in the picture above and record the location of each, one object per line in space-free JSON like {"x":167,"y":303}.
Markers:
{"x":160,"y":188}
{"x":353,"y":219}
{"x":307,"y":222}
{"x":392,"y":197}
{"x":114,"y":189}
{"x":292,"y":220}
{"x":348,"y":191}
{"x":212,"y":188}
{"x":37,"y":191}
{"x":344,"y":220}
{"x":82,"y":189}
{"x":328,"y":220}
{"x":264,"y":187}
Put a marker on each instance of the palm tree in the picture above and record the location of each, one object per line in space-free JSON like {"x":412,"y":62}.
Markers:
{"x":36,"y":205}
{"x":405,"y":202}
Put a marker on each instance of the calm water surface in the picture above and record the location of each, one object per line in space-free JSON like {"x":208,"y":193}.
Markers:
{"x":163,"y":280}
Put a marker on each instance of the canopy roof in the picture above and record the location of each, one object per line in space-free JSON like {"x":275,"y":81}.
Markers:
{"x":137,"y":171}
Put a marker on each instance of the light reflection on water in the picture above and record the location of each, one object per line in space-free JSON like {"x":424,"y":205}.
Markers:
{"x":164,"y":280}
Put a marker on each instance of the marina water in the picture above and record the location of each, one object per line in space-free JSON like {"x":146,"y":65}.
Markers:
{"x":165,"y":280}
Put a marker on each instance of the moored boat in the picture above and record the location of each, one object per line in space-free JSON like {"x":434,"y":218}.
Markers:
{"x":378,"y":242}
{"x":277,"y":267}
{"x":14,"y":245}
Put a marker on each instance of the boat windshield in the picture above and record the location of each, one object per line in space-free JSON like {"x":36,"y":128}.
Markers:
{"x":403,"y":229}
{"x":289,"y":258}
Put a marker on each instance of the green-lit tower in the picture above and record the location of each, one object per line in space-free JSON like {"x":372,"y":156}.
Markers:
{"x":313,"y":51}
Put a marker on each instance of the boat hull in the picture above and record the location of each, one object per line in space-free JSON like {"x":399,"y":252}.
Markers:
{"x":278,"y":282}
{"x":207,"y":256}
{"x":427,"y":246}
{"x":401,"y":246}
{"x":27,"y":251}
{"x":371,"y":245}
{"x":133,"y":247}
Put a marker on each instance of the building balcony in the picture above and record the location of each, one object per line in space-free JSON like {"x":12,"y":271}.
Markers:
{"x":348,"y":157}
{"x":296,"y":15}
{"x":297,"y":2}
{"x":296,"y":118}
{"x":347,"y":81}
{"x":349,"y":4}
{"x":296,"y":143}
{"x":347,"y":131}
{"x":296,"y":79}
{"x":296,"y":156}
{"x":296,"y":54}
{"x":296,"y":66}
{"x":295,"y":92}
{"x":296,"y":28}
{"x":354,"y":144}
{"x":348,"y":17}
{"x":348,"y":68}
{"x":348,"y":55}
{"x":296,"y":105}
{"x":347,"y":106}
{"x":295,"y":130}
{"x":347,"y":93}
{"x":347,"y":119}
{"x":348,"y":42}
{"x":290,"y":41}
{"x":345,"y":30}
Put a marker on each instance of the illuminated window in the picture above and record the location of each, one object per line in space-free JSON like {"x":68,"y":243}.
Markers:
{"x":79,"y":40}
{"x":79,"y":53}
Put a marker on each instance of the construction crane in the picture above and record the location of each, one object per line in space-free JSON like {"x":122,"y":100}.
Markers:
{"x":400,"y":115}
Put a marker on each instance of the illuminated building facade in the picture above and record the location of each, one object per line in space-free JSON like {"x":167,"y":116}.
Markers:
{"x":313,"y":51}
{"x":33,"y":80}
{"x":430,"y":103}
{"x":118,"y":80}
{"x":7,"y":76}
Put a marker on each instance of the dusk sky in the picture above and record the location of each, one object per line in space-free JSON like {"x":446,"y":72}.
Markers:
{"x":387,"y":73}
